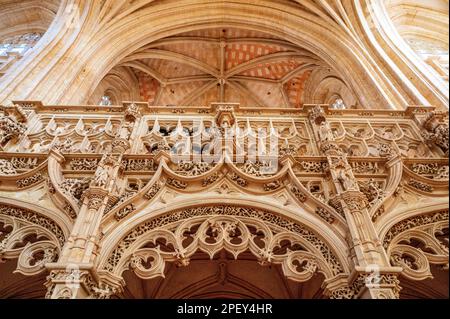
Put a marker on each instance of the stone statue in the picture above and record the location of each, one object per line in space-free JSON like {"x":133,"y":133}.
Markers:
{"x":103,"y":172}
{"x":101,"y":176}
{"x":325,"y":132}
{"x":345,"y":180}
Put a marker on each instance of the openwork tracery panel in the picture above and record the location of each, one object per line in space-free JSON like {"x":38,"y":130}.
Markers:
{"x":178,"y":235}
{"x":417,"y":242}
{"x":34,"y":239}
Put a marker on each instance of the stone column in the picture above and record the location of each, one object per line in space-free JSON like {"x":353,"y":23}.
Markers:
{"x":74,"y":275}
{"x":366,"y":250}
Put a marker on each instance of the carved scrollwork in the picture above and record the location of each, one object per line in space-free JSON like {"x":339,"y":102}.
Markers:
{"x":373,"y":191}
{"x":239,"y":180}
{"x":153,"y":190}
{"x":25,"y":163}
{"x":314,"y":167}
{"x":210,"y":179}
{"x":431,"y":170}
{"x":29,"y":181}
{"x":6,"y":168}
{"x":75,"y":187}
{"x":190,"y":168}
{"x":257,"y":168}
{"x":272,"y":186}
{"x":386,"y":150}
{"x":384,"y":286}
{"x":325,"y":215}
{"x":301,"y":196}
{"x":420,"y":186}
{"x":34,"y":218}
{"x":288,"y":149}
{"x":355,"y":202}
{"x":342,"y":293}
{"x":65,"y":146}
{"x":84,"y":164}
{"x":139,"y":165}
{"x":125,"y":211}
{"x":365,"y":167}
{"x":176,"y":183}
{"x":336,"y":203}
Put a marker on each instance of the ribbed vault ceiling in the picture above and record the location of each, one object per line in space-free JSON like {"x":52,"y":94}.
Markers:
{"x":219,"y":65}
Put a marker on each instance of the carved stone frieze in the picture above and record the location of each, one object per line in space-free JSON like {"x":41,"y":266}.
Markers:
{"x":116,"y":163}
{"x":124,"y":211}
{"x":301,"y":196}
{"x":153,"y":191}
{"x":190,"y":168}
{"x":325,"y":215}
{"x":176,"y":183}
{"x":314,"y":167}
{"x":431,"y":170}
{"x":239,"y":180}
{"x":420,"y":186}
{"x":84,"y":164}
{"x":272,"y":186}
{"x":210,"y":179}
{"x":6,"y":168}
{"x":29,"y":181}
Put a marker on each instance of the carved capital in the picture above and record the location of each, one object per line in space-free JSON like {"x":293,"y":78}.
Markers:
{"x":354,"y":200}
{"x":76,"y":282}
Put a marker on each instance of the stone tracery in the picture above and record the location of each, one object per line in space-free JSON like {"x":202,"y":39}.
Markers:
{"x":157,"y":179}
